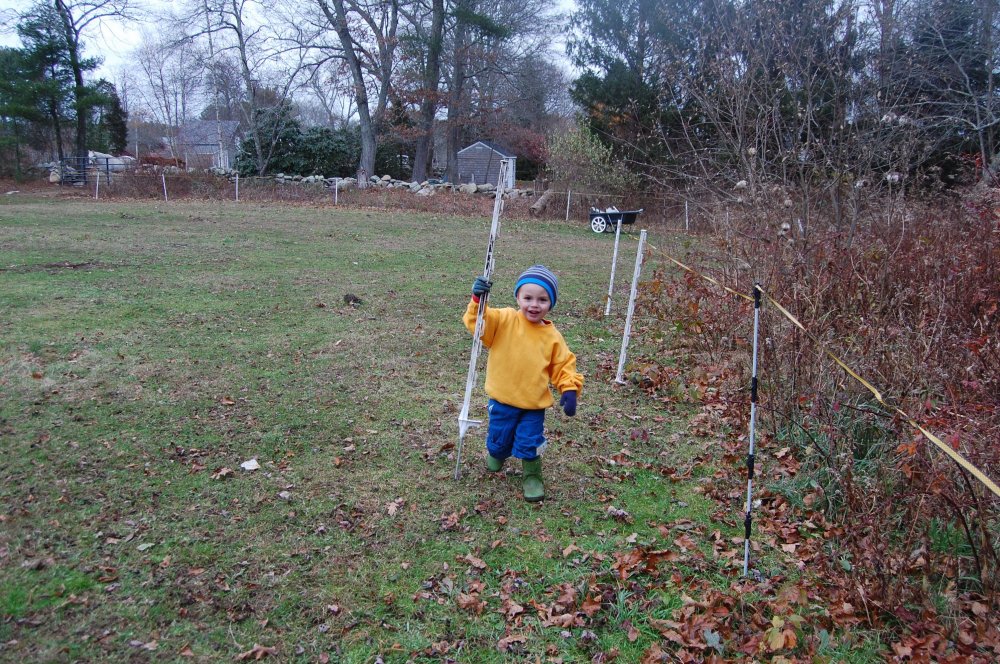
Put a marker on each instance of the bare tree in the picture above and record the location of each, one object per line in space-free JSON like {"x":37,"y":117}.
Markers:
{"x":172,"y":79}
{"x":367,"y":32}
{"x":268,"y":63}
{"x":430,"y":43}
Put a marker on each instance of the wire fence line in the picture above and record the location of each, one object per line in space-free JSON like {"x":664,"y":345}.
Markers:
{"x":867,"y":384}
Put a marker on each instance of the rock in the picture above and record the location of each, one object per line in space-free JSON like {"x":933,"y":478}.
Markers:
{"x":415,"y":186}
{"x":468,"y":188}
{"x":426,"y":191}
{"x":386,"y":178}
{"x":485,"y":188}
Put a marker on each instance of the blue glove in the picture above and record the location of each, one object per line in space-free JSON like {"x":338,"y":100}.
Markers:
{"x":481,"y":287}
{"x":568,"y":402}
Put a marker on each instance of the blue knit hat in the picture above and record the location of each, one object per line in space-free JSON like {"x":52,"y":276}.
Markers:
{"x":542,"y":276}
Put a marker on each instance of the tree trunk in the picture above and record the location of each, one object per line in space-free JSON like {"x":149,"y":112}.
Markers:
{"x":56,"y":128}
{"x":79,"y":89}
{"x":366,"y":166}
{"x":428,"y":105}
{"x":456,"y":101}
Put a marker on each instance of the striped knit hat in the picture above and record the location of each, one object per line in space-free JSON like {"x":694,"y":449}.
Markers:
{"x":542,"y":276}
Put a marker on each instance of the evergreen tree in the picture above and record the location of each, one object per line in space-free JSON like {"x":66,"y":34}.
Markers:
{"x":109,"y":130}
{"x":48,"y":77}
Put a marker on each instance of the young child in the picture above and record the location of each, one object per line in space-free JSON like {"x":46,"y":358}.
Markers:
{"x":527,"y":354}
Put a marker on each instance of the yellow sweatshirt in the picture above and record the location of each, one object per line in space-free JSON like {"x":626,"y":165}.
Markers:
{"x":524,"y":358}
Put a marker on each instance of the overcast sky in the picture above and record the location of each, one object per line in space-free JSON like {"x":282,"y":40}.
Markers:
{"x":115,"y":40}
{"x":112,"y":42}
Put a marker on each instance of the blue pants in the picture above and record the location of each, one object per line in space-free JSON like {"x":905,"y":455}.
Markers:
{"x":515,"y":432}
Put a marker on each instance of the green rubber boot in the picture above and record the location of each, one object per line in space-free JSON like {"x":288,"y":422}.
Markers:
{"x":493,"y":464}
{"x":531,"y":480}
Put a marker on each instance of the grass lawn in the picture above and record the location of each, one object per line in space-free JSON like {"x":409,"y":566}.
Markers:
{"x":147,"y":350}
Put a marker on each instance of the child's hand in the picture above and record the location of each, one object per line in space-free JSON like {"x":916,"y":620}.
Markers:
{"x":568,"y":402}
{"x":481,"y":287}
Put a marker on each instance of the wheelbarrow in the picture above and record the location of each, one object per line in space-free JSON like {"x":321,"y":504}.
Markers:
{"x":607,"y":220}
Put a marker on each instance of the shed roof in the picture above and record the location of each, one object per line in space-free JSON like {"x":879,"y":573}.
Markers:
{"x":206,"y":132}
{"x":503,"y":152}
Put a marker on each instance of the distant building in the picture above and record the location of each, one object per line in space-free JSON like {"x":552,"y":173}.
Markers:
{"x":480,"y":163}
{"x":198,"y":143}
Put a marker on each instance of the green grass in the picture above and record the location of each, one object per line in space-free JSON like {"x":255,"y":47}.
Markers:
{"x":192,"y":337}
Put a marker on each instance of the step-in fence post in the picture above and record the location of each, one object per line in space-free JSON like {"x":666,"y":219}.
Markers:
{"x":753,"y":429}
{"x":614,"y":262}
{"x":569,"y":197}
{"x":687,"y":223}
{"x":163,"y":176}
{"x":237,"y":187}
{"x":97,"y":187}
{"x":464,"y":422}
{"x":619,"y":377}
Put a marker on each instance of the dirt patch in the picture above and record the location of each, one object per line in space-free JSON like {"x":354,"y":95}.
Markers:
{"x":54,"y":267}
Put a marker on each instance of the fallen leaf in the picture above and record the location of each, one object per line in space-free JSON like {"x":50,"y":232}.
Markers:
{"x":472,"y":560}
{"x":505,"y":643}
{"x":470,"y":603}
{"x":450,"y":521}
{"x":902,"y":650}
{"x":257,"y":652}
{"x":252,"y":464}
{"x":227,"y":401}
{"x":222,"y":473}
{"x":145,"y":545}
{"x":591,"y":605}
{"x":394,"y":506}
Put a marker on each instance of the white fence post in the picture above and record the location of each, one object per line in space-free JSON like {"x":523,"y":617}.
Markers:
{"x":614,"y":262}
{"x":687,"y":223}
{"x":237,"y":187}
{"x":164,"y":177}
{"x":619,"y":378}
{"x":569,"y":196}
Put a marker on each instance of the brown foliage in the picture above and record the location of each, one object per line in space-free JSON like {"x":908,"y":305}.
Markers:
{"x":911,"y":305}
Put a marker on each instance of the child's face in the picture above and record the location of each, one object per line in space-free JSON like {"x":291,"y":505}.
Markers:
{"x":533,"y":300}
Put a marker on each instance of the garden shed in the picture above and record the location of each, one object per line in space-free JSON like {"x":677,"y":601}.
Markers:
{"x":480,"y":163}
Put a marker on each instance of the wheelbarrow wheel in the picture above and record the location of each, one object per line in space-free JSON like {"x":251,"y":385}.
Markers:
{"x":598,"y":224}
